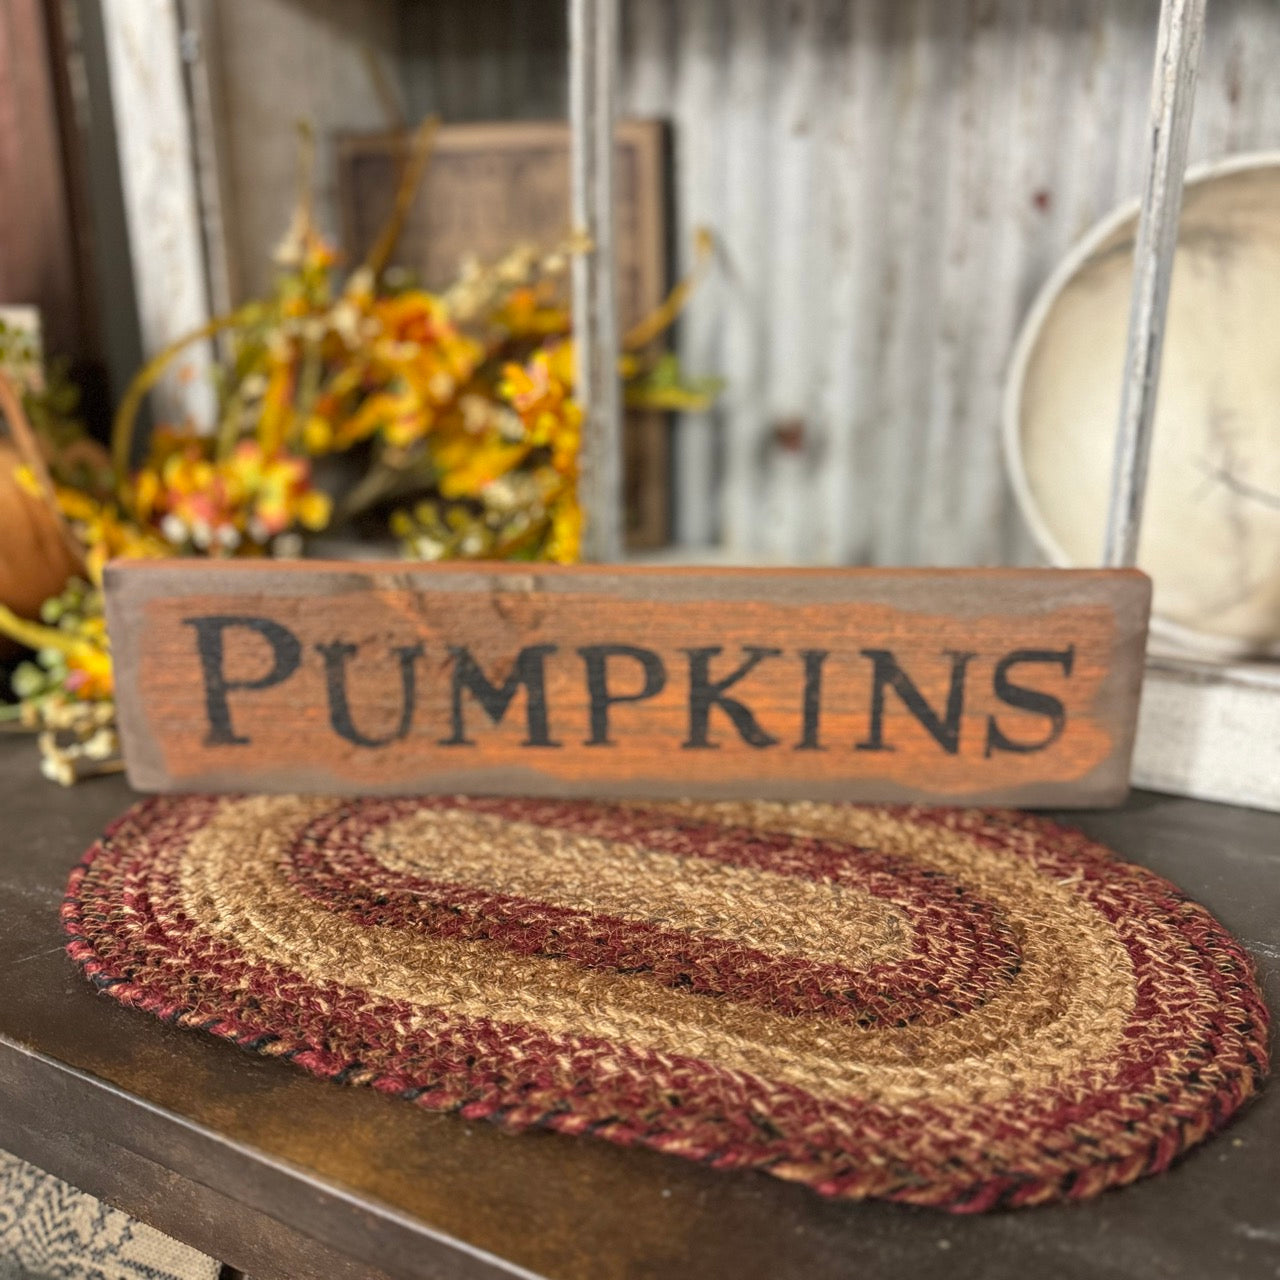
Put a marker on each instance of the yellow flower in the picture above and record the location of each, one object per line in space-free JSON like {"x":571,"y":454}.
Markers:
{"x":27,"y":481}
{"x":235,"y":503}
{"x":92,"y":664}
{"x":146,"y":491}
{"x":564,"y":544}
{"x":276,"y":415}
{"x":84,"y":648}
{"x":468,"y":467}
{"x":313,"y":509}
{"x":104,"y":532}
{"x":531,"y":312}
{"x":399,"y":415}
{"x":540,"y":392}
{"x":317,"y":435}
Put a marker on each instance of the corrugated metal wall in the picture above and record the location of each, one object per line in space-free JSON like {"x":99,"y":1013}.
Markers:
{"x":890,"y":181}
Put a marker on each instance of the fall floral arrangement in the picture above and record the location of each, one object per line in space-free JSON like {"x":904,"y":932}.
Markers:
{"x":449,"y":418}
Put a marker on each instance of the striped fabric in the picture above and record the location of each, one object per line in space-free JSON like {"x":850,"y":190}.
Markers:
{"x":51,"y":1231}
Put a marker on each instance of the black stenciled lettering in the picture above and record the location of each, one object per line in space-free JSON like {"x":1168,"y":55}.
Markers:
{"x":944,"y":729}
{"x":1024,"y":699}
{"x":335,"y":657}
{"x":286,"y":653}
{"x":705,"y":693}
{"x":813,"y":660}
{"x":596,"y":657}
{"x":527,"y":670}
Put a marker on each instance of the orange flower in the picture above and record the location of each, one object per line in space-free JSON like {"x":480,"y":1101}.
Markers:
{"x":250,"y":497}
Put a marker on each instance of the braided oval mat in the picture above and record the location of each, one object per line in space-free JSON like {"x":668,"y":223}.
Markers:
{"x":952,"y":1008}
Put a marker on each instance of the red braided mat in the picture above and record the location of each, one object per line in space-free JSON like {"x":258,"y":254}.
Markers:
{"x":959,"y":1009}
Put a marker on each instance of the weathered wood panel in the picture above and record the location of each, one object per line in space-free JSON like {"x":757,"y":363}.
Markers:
{"x":39,"y":243}
{"x":275,"y":63}
{"x":1013,"y":686}
{"x":492,"y":186}
{"x":1211,"y":731}
{"x":162,"y":208}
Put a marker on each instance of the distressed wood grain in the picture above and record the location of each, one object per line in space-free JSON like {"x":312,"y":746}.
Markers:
{"x":151,"y":116}
{"x":994,"y":685}
{"x":493,"y":185}
{"x":42,"y":257}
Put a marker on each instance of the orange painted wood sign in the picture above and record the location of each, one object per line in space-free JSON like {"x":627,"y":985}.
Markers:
{"x":953,"y":686}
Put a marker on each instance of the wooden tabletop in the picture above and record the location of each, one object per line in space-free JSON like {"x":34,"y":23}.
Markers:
{"x":280,"y":1174}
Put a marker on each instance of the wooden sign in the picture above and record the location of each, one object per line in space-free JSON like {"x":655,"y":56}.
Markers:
{"x":954,"y":686}
{"x":492,"y":185}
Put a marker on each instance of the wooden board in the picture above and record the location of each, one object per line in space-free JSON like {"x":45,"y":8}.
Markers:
{"x":1210,"y":730}
{"x":1000,"y":685}
{"x":276,"y":1172}
{"x":37,"y":251}
{"x":493,"y":185}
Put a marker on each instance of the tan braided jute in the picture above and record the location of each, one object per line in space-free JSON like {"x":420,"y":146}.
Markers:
{"x":952,"y":1008}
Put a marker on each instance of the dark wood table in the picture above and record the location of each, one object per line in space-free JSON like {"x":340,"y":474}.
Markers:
{"x":279,"y":1174}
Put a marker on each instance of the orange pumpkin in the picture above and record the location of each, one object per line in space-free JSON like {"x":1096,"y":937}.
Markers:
{"x":35,"y":561}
